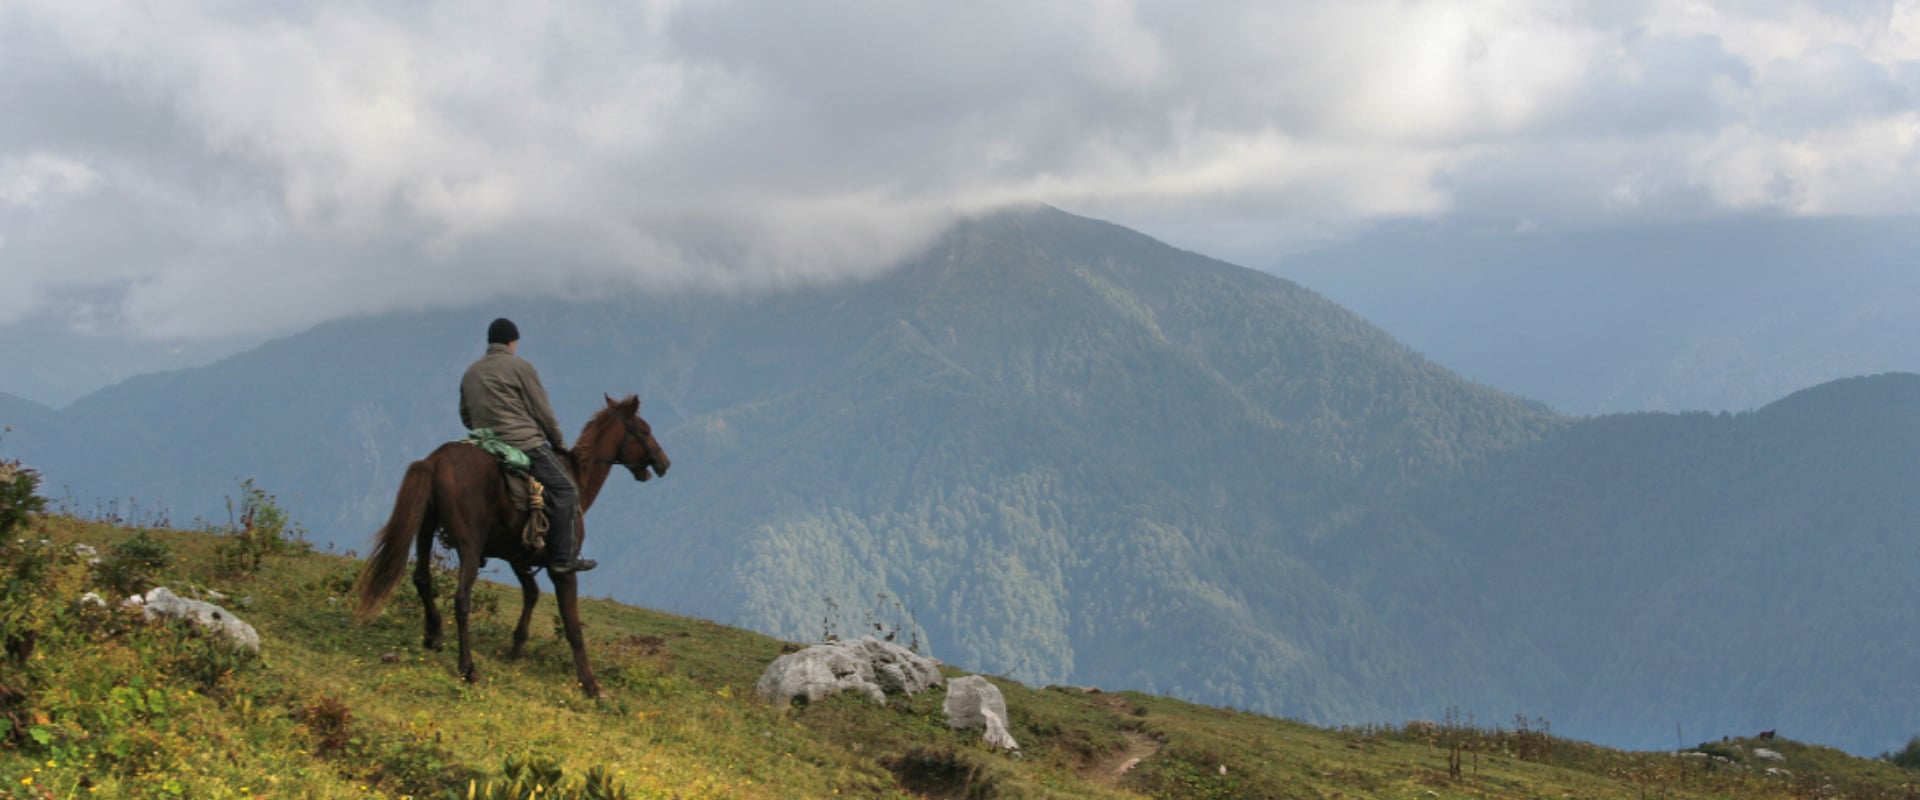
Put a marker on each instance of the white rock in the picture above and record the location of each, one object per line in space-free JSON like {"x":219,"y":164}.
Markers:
{"x":1769,"y":755}
{"x":973,"y":702}
{"x":162,"y":602}
{"x":866,"y":665}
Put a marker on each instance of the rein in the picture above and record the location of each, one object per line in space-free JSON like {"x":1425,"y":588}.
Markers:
{"x":631,"y":434}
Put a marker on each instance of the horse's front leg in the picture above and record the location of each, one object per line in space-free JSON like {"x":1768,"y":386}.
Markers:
{"x":566,"y":588}
{"x":423,"y":582}
{"x":463,"y":608}
{"x":529,"y":595}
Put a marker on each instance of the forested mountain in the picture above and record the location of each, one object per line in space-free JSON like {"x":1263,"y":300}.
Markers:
{"x":1727,"y":315}
{"x":1059,"y":450}
{"x":1715,"y":571}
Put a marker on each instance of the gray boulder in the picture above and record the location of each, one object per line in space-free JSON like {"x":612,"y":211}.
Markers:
{"x":866,"y":665}
{"x":1769,"y":755}
{"x":162,"y":602}
{"x":973,"y":702}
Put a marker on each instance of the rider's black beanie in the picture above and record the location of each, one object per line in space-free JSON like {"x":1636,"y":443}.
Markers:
{"x":502,"y":331}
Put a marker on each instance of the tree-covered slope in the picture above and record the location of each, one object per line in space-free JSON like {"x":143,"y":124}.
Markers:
{"x":1051,"y":455}
{"x":1718,"y":572}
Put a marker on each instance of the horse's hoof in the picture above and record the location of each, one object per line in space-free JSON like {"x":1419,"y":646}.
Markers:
{"x":431,"y":644}
{"x":473,"y":675}
{"x":592,"y":690}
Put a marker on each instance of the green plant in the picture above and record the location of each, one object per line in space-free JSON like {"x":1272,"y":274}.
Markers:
{"x":260,"y":529}
{"x":32,"y":573}
{"x":328,"y":718}
{"x":1907,"y":758}
{"x":207,"y":661}
{"x":18,"y":502}
{"x":526,"y":778}
{"x":133,"y":564}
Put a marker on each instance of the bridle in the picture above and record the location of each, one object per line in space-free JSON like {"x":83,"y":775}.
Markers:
{"x":632,"y":433}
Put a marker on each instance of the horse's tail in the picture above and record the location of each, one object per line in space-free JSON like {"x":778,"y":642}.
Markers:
{"x":388,"y":561}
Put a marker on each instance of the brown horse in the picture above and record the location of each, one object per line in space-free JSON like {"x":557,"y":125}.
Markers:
{"x":461,"y":492}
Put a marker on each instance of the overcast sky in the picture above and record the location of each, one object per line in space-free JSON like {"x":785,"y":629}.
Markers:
{"x":201,"y":169}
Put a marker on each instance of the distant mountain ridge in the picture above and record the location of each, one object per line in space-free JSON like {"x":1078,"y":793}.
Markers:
{"x":1068,"y":453}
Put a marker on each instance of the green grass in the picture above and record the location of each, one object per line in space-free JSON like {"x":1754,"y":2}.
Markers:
{"x":108,"y":706}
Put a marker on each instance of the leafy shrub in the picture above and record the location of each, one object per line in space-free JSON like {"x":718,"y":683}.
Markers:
{"x":133,"y":564}
{"x":540,"y":777}
{"x":32,"y":573}
{"x":328,"y":718}
{"x":1908,"y":757}
{"x":204,"y":659}
{"x":37,"y":582}
{"x":262,"y":529}
{"x":18,"y":503}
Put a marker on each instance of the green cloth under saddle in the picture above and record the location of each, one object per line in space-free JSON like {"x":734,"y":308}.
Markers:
{"x":510,"y":457}
{"x":523,"y":490}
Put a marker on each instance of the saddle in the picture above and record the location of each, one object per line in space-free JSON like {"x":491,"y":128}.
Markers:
{"x":524,"y":492}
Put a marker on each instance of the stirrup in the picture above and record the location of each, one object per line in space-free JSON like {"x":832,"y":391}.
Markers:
{"x":571,"y":565}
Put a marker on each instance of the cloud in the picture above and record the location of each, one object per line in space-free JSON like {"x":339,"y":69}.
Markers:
{"x":35,"y":180}
{"x":249,"y":166}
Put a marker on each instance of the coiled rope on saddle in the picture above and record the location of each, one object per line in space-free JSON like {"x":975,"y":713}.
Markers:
{"x":523,"y":490}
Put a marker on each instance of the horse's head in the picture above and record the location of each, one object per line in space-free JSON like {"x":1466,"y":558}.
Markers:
{"x":638,"y":451}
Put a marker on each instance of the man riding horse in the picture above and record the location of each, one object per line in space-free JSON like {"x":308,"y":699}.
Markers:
{"x":502,"y":391}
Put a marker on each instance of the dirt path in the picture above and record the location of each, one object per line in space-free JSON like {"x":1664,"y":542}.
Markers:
{"x":1108,"y":770}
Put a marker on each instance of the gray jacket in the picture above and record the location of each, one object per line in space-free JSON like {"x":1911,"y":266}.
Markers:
{"x":501,"y":391}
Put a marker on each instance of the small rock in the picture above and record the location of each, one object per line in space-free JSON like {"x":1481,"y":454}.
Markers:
{"x":973,"y":702}
{"x":162,"y":602}
{"x":1769,"y":755}
{"x":93,"y":599}
{"x":390,"y":658}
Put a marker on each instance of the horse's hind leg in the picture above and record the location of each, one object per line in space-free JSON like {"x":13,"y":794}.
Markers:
{"x":423,"y":581}
{"x":529,"y":595}
{"x":566,"y":590}
{"x":470,"y":559}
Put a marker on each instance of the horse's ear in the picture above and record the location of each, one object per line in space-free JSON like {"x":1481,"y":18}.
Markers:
{"x":609,"y":399}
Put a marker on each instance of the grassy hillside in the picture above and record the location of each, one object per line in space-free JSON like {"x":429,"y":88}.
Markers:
{"x":97,"y":703}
